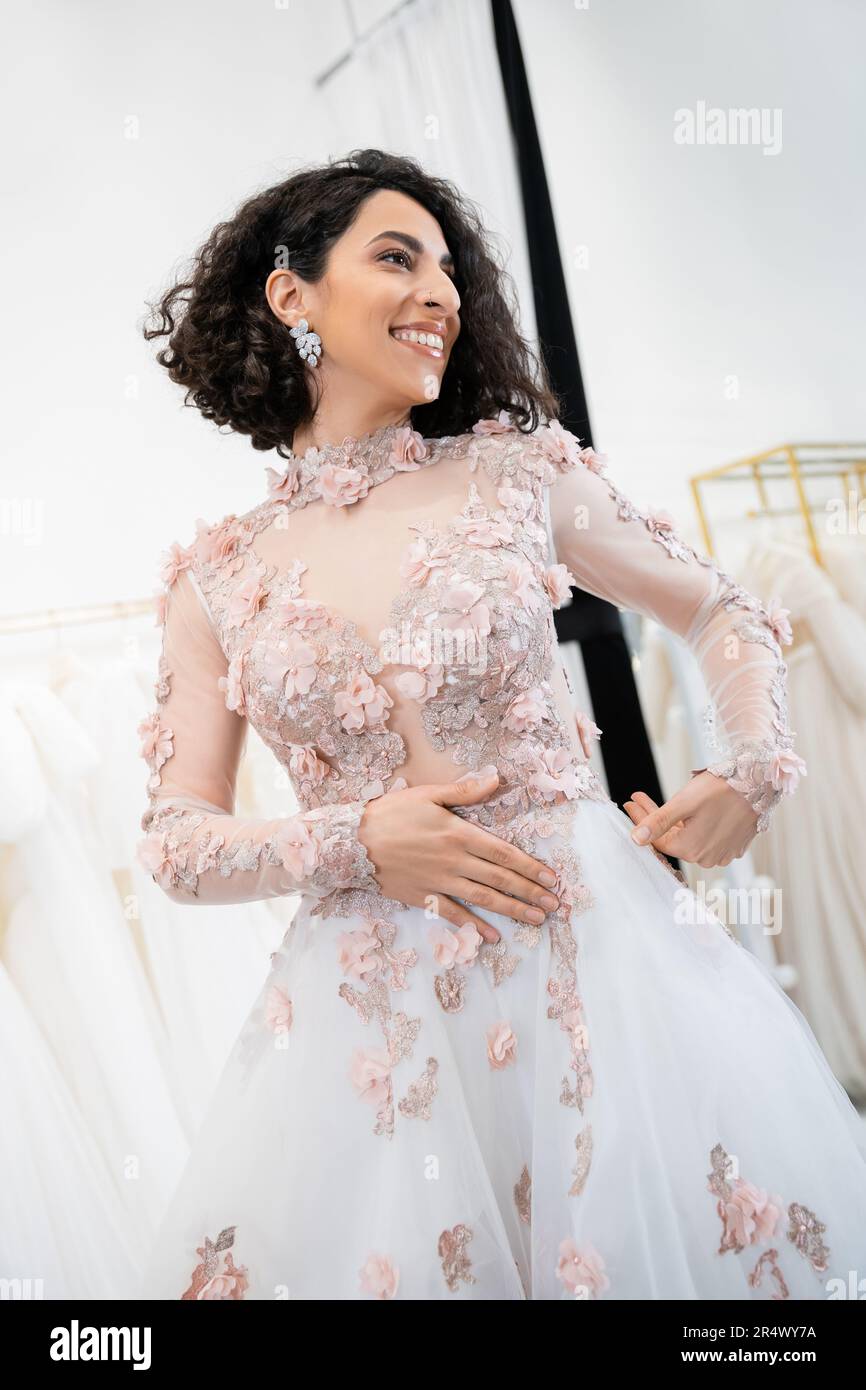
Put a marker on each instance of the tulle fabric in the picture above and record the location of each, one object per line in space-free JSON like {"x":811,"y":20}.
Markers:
{"x":692,"y":1045}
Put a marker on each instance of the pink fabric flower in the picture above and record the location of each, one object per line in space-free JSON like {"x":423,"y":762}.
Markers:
{"x":558,"y":581}
{"x":526,"y":711}
{"x":421,"y":685}
{"x":304,"y":614}
{"x":463,"y":611}
{"x":454,"y":947}
{"x":232,"y":686}
{"x":230,"y":1283}
{"x":418,"y":561}
{"x":370,"y":1074}
{"x":245,"y":601}
{"x":305,"y":766}
{"x":290,"y":666}
{"x":278,"y":1010}
{"x":358,"y":954}
{"x":487,"y":531}
{"x":297,"y":846}
{"x":587,"y":730}
{"x":554,"y":774}
{"x":777,"y":616}
{"x":560,"y":446}
{"x":595,"y":462}
{"x":501,"y":1045}
{"x":784,"y":771}
{"x":363,"y":704}
{"x":501,"y":424}
{"x":581,"y":1271}
{"x":520,"y":580}
{"x":379,"y":1277}
{"x":660,"y":521}
{"x":516,"y":501}
{"x":341,"y":486}
{"x":155,"y":857}
{"x":214,"y":545}
{"x":156,"y":741}
{"x":177,"y":559}
{"x":407,"y":450}
{"x":283,"y":484}
{"x":749,"y":1214}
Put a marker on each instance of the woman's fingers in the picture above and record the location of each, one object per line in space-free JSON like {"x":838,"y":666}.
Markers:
{"x":458,"y":915}
{"x":536,"y":877}
{"x":480,"y":895}
{"x":510,"y":888}
{"x":671,"y":840}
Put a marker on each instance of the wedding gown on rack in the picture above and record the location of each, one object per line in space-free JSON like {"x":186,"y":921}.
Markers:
{"x":824,"y":924}
{"x":620,"y":1103}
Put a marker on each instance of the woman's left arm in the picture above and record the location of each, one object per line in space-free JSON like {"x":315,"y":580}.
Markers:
{"x":638,"y":561}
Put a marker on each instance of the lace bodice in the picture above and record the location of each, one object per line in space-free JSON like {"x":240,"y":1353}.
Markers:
{"x":383,"y":618}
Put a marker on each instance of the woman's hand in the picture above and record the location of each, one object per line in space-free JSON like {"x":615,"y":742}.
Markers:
{"x":706,"y":823}
{"x":423,"y":852}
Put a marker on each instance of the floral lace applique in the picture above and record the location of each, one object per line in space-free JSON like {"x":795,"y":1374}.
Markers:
{"x":583,"y":1146}
{"x":769,"y":1258}
{"x":750,"y":1215}
{"x":762,"y":770}
{"x":562,"y":986}
{"x":456,"y":1264}
{"x":450,"y":988}
{"x":213,"y":1280}
{"x":368,"y":955}
{"x":419,"y":1097}
{"x":523,"y":1196}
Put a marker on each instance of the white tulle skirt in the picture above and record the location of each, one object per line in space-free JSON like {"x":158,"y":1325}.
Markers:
{"x":622,"y":1105}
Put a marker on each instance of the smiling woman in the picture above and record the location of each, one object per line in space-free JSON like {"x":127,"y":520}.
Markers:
{"x":500,"y":1051}
{"x":359,"y":247}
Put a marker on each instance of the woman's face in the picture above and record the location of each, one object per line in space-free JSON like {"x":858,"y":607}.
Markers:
{"x":390,"y":271}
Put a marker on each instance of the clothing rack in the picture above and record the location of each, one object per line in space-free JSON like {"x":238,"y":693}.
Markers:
{"x":793,"y":463}
{"x":359,"y":37}
{"x":71,"y":617}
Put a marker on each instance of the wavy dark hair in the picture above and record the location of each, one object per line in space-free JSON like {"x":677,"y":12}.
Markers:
{"x":235,"y":358}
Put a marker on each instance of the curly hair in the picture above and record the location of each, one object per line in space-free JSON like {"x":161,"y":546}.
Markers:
{"x":236,"y":359}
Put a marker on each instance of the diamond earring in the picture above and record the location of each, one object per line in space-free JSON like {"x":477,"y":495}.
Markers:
{"x":309,"y":345}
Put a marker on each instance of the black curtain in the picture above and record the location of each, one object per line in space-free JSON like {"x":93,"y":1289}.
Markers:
{"x":596,"y":625}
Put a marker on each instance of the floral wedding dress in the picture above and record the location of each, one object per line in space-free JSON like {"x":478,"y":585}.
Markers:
{"x":620,"y":1103}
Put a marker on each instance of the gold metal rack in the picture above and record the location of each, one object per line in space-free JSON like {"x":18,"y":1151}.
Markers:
{"x":795,"y":462}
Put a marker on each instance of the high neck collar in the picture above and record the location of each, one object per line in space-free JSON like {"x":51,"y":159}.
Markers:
{"x":343,"y":473}
{"x":354,"y":449}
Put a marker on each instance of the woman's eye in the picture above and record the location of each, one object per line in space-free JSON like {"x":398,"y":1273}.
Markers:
{"x":407,"y":259}
{"x":397,"y":252}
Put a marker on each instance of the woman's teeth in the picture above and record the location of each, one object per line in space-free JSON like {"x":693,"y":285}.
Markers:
{"x":431,"y":341}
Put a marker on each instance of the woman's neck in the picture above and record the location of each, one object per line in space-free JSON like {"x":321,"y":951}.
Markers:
{"x":338,"y":425}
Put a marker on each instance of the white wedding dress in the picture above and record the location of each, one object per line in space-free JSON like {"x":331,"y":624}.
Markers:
{"x":620,"y":1103}
{"x":814,"y":847}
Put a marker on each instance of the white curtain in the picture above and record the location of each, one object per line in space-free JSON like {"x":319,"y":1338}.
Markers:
{"x":428,"y":84}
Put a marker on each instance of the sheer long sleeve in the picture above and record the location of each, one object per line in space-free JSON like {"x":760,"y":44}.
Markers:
{"x":195,"y":848}
{"x":637,"y":561}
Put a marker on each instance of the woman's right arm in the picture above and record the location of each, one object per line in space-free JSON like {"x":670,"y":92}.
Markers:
{"x":195,"y":848}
